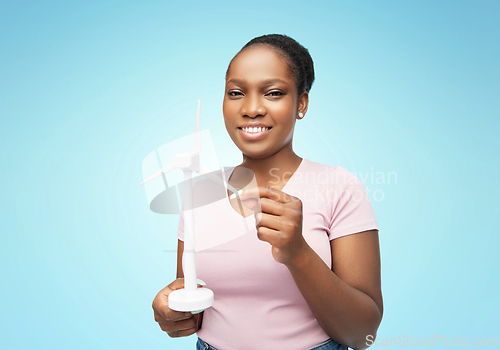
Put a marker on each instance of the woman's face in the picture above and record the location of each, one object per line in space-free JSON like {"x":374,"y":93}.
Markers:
{"x":261,"y":91}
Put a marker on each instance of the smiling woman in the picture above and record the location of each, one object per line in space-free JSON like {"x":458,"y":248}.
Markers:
{"x":308,"y":276}
{"x":261,"y":92}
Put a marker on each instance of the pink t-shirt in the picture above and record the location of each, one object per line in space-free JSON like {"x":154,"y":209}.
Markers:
{"x":257,"y":303}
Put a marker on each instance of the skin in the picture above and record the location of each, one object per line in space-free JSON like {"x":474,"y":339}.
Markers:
{"x":346,"y":299}
{"x":249,"y":98}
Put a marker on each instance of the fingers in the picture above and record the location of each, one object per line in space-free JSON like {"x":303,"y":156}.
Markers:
{"x":162,"y":313}
{"x":188,"y":331}
{"x":175,"y":323}
{"x":278,"y":223}
{"x":167,"y":313}
{"x":266,"y":234}
{"x":270,"y":200}
{"x":176,"y":284}
{"x":269,"y":206}
{"x":178,"y":320}
{"x":183,"y":333}
{"x":273,"y":222}
{"x":274,"y":214}
{"x":269,"y":203}
{"x":266,"y":192}
{"x":180,"y":328}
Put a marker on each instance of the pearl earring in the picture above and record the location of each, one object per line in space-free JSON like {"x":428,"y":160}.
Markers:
{"x":301,"y":115}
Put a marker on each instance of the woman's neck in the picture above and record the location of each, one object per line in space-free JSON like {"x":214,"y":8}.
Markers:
{"x":275,"y":170}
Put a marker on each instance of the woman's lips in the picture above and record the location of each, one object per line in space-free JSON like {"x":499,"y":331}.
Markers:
{"x":252,"y":136}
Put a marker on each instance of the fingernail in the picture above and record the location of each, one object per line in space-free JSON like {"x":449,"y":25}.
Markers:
{"x":233,"y":196}
{"x":200,"y":282}
{"x":197,"y":312}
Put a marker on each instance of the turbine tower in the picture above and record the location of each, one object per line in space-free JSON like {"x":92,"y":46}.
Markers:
{"x":190,"y":298}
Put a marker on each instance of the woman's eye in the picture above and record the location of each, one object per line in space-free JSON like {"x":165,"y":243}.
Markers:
{"x":275,"y":93}
{"x":234,"y":93}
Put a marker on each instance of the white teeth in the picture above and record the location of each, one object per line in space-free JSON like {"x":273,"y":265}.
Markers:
{"x":255,"y":129}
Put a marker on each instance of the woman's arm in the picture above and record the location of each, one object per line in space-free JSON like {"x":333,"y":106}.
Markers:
{"x":346,"y":300}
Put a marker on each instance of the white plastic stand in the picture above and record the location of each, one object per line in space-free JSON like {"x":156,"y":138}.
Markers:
{"x":190,"y":298}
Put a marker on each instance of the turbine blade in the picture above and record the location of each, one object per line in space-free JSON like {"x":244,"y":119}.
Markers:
{"x":196,"y":137}
{"x":159,"y":173}
{"x":217,"y":179}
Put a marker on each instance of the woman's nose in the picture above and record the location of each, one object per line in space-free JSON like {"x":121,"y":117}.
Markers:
{"x":252,"y":107}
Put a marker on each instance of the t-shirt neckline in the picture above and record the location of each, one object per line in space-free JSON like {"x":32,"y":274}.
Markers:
{"x":228,"y":205}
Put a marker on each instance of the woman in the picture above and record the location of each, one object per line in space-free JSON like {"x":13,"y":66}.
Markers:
{"x":308,"y":276}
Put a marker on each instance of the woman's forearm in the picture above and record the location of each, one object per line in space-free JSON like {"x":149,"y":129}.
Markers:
{"x":345,"y":313}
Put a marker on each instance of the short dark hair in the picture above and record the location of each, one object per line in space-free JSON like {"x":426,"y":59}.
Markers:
{"x":299,"y":60}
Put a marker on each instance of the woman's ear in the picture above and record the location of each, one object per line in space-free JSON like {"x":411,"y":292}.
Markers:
{"x":303,"y":103}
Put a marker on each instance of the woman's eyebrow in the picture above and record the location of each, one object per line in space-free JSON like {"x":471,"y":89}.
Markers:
{"x":273,"y":81}
{"x":266,"y":82}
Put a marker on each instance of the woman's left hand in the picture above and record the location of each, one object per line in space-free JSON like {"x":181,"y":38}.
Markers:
{"x":278,"y":222}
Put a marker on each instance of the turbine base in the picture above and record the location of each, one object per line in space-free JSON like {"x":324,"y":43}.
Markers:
{"x":183,"y":300}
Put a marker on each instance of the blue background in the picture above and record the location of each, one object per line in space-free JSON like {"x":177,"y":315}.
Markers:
{"x":88,"y":89}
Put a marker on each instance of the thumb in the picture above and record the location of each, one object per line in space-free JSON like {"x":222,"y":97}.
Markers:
{"x":176,"y":284}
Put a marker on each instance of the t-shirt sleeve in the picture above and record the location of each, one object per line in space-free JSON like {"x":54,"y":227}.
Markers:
{"x":352,"y":210}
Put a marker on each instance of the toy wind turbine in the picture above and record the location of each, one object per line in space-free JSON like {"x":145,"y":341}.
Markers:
{"x":190,"y":298}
